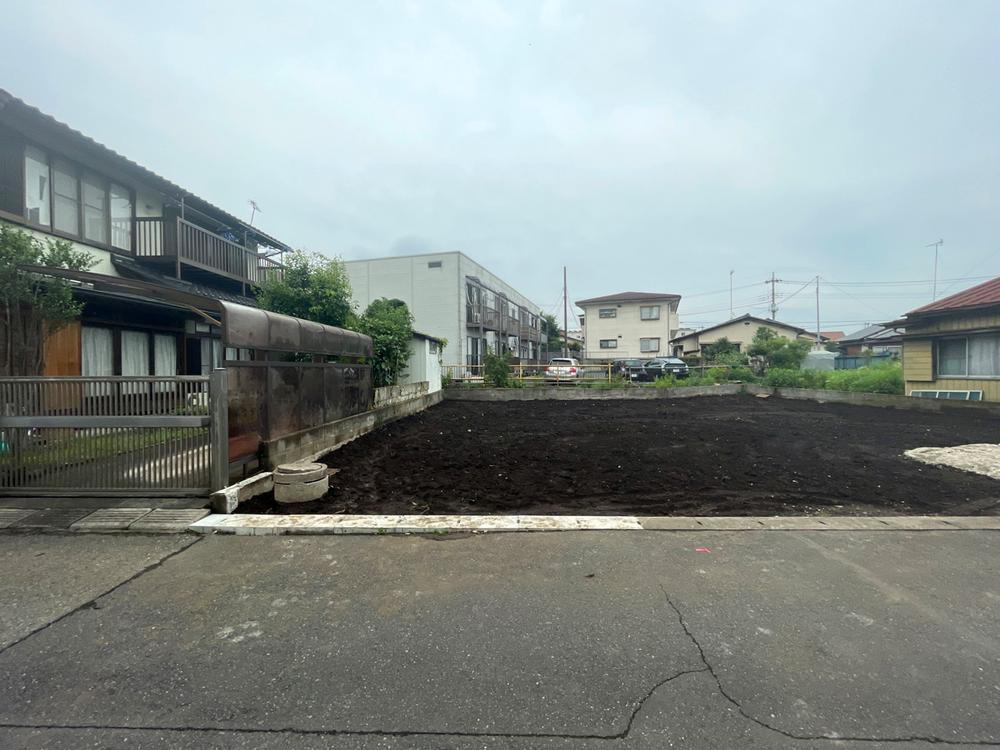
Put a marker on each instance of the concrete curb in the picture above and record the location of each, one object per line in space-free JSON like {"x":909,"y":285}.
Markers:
{"x":263,"y":525}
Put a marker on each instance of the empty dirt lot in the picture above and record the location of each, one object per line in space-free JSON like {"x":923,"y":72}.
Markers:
{"x":733,"y":455}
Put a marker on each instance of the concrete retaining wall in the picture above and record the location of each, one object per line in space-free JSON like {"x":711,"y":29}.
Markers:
{"x":573,"y":393}
{"x":393,"y":394}
{"x":570,"y":393}
{"x":311,"y":444}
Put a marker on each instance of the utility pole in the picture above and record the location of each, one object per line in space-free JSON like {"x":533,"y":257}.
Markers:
{"x":817,"y":312}
{"x":774,"y":303}
{"x":731,"y":315}
{"x":565,"y":316}
{"x":937,"y":246}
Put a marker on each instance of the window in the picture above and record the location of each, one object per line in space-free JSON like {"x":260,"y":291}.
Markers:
{"x":609,"y":343}
{"x":649,"y":312}
{"x":649,"y":345}
{"x":211,"y":355}
{"x":95,"y":210}
{"x":975,"y":356}
{"x":433,"y":264}
{"x":36,"y":186}
{"x":121,"y":217}
{"x":66,"y":198}
{"x":607,"y":312}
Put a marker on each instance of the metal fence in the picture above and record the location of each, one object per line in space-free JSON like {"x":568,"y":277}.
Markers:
{"x":537,"y":373}
{"x":113,"y":435}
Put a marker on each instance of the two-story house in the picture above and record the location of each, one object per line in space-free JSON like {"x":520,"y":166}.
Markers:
{"x":56,"y":182}
{"x":628,"y":325}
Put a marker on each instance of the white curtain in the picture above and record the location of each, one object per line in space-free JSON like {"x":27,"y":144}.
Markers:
{"x":98,"y":357}
{"x":984,"y":355}
{"x":135,"y":358}
{"x":951,"y":357}
{"x":164,"y":358}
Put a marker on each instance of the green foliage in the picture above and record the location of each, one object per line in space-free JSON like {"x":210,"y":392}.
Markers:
{"x":446,"y":380}
{"x":712,"y":376}
{"x":723,"y":351}
{"x":742,"y":374}
{"x":882,"y":378}
{"x":390,"y":325}
{"x":312,"y":287}
{"x":777,"y":350}
{"x":786,"y":377}
{"x":551,"y":327}
{"x":33,"y":306}
{"x":496,"y":370}
{"x":831,"y":346}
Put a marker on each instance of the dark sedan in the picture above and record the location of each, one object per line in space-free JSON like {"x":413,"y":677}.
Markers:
{"x":629,"y":369}
{"x":662,"y":366}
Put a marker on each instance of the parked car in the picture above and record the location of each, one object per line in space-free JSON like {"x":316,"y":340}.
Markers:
{"x":663,"y":366}
{"x":563,"y":368}
{"x":630,"y":369}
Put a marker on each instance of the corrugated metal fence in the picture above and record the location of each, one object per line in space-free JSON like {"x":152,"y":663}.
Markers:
{"x":112,"y":435}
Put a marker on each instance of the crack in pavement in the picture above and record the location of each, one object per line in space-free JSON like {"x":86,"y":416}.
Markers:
{"x":929,"y":739}
{"x":92,"y":603}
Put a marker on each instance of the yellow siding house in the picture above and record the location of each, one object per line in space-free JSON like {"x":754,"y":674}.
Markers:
{"x":951,"y":347}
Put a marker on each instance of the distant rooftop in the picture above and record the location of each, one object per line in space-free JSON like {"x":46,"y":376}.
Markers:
{"x":628,"y":297}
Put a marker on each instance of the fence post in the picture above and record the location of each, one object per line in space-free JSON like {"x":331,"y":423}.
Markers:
{"x":218,"y":429}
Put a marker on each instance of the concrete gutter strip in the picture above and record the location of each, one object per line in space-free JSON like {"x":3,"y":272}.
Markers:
{"x":259,"y":525}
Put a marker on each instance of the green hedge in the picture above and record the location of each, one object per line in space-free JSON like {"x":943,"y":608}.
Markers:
{"x":885,"y":378}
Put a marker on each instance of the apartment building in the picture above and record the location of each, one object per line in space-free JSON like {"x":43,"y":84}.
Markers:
{"x":454,"y":298}
{"x":739,"y":331}
{"x":628,"y":325}
{"x":137,"y":227}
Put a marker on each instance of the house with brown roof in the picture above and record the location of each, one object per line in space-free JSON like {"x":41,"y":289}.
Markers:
{"x":628,"y":325}
{"x":739,"y":331}
{"x":951,"y":347}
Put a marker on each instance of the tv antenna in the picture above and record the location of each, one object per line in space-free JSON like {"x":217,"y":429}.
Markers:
{"x":254,"y":210}
{"x":937,"y":246}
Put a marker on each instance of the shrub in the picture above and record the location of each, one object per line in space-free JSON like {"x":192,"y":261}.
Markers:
{"x":742,"y":374}
{"x":496,"y":370}
{"x":884,"y":378}
{"x":786,"y":377}
{"x":390,"y":325}
{"x":777,"y":350}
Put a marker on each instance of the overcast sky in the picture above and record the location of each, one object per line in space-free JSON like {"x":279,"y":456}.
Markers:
{"x":649,"y":146}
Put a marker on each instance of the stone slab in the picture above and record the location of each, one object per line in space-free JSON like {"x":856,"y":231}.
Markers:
{"x":166,"y":520}
{"x":974,"y":522}
{"x":51,"y":518}
{"x":915,"y":523}
{"x":734,"y":523}
{"x":110,"y":519}
{"x":810,"y":523}
{"x":9,"y":516}
{"x":670,"y":523}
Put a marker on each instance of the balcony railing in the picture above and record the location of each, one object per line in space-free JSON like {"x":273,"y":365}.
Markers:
{"x":194,"y":246}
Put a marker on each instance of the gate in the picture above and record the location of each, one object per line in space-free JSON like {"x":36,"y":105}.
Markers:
{"x":120,"y":435}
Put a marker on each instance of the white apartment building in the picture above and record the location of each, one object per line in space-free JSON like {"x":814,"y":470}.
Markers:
{"x":629,"y":325}
{"x":454,"y":298}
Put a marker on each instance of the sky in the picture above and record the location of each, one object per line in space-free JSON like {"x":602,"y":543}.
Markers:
{"x":646,"y":146}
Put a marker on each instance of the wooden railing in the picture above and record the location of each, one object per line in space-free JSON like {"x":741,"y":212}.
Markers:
{"x":191,"y":244}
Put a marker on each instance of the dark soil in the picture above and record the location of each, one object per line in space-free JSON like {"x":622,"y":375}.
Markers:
{"x":736,"y":455}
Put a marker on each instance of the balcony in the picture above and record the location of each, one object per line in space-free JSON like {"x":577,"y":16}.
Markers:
{"x":186,"y":244}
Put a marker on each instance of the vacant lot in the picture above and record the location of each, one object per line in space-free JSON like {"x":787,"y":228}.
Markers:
{"x":736,"y":455}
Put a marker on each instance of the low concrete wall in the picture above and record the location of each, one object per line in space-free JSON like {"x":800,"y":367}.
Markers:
{"x":393,"y":394}
{"x":875,"y":399}
{"x":572,"y":393}
{"x":311,"y":444}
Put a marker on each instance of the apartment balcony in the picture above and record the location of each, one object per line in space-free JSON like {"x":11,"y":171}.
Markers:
{"x":182,"y":243}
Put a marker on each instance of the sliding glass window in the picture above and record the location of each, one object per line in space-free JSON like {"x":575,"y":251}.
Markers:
{"x":66,"y":198}
{"x":36,"y":186}
{"x":95,"y":209}
{"x":121,"y":217}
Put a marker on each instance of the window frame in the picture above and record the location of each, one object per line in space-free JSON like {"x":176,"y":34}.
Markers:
{"x":609,"y":343}
{"x":650,"y":338}
{"x":643,"y":308}
{"x":602,"y":313}
{"x":938,"y":375}
{"x":53,"y":155}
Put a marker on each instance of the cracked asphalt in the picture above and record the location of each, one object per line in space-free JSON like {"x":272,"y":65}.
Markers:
{"x":638,"y":639}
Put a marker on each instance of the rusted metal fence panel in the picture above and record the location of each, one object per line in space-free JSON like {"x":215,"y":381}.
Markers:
{"x":105,"y":435}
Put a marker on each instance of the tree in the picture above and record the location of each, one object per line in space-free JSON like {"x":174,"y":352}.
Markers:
{"x":496,"y":370}
{"x":34,"y":306}
{"x":312,"y":287}
{"x":723,"y":350}
{"x":554,"y":338}
{"x":390,"y":325}
{"x":779,"y":351}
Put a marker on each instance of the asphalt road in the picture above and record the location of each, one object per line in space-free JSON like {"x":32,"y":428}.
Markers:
{"x":637,"y":639}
